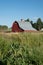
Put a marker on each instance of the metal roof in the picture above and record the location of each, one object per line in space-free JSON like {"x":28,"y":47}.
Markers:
{"x":26,"y":25}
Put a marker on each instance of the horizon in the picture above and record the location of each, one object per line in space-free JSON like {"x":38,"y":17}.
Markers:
{"x":11,"y":10}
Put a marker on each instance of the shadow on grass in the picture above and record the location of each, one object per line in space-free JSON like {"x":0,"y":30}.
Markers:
{"x":3,"y":63}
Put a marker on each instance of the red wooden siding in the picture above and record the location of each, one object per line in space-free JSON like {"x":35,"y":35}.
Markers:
{"x":16,"y":28}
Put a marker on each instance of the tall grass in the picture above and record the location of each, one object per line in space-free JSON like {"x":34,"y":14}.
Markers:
{"x":21,"y":49}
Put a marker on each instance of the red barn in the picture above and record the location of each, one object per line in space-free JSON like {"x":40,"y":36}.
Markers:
{"x":22,"y":26}
{"x":16,"y":27}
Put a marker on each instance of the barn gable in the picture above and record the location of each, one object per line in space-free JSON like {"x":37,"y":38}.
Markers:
{"x":16,"y":27}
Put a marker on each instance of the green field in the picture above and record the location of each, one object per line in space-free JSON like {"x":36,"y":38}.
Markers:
{"x":21,"y":49}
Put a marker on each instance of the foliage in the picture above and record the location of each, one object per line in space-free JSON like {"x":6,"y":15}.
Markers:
{"x":27,"y":20}
{"x":3,"y":27}
{"x":38,"y":25}
{"x":21,"y":49}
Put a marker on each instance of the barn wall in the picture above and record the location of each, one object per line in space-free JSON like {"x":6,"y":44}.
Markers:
{"x":16,"y":28}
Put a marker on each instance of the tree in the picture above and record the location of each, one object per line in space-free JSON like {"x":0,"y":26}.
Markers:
{"x":39,"y":24}
{"x":31,"y":23}
{"x":3,"y":27}
{"x":35,"y":25}
{"x":27,"y":20}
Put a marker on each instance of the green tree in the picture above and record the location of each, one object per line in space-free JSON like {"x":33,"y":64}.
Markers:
{"x":35,"y":25}
{"x":39,"y":24}
{"x":5,"y":27}
{"x":27,"y":20}
{"x":31,"y":23}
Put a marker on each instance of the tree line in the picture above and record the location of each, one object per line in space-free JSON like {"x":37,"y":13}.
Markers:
{"x":3,"y":27}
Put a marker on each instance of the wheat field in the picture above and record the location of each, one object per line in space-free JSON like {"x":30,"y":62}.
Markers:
{"x":25,"y":48}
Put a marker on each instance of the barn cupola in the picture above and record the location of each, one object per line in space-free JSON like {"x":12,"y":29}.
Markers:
{"x":22,"y":20}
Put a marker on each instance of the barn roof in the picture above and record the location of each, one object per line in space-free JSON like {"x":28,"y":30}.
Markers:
{"x":25,"y":25}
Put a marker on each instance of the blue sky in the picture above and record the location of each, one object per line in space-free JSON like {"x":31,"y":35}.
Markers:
{"x":11,"y":10}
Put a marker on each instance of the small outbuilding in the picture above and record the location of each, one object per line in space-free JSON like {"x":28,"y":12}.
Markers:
{"x":41,"y":29}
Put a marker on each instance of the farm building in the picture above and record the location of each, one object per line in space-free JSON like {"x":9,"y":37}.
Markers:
{"x":22,"y":26}
{"x":41,"y":29}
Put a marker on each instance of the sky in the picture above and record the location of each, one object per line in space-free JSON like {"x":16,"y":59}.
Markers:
{"x":11,"y":10}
